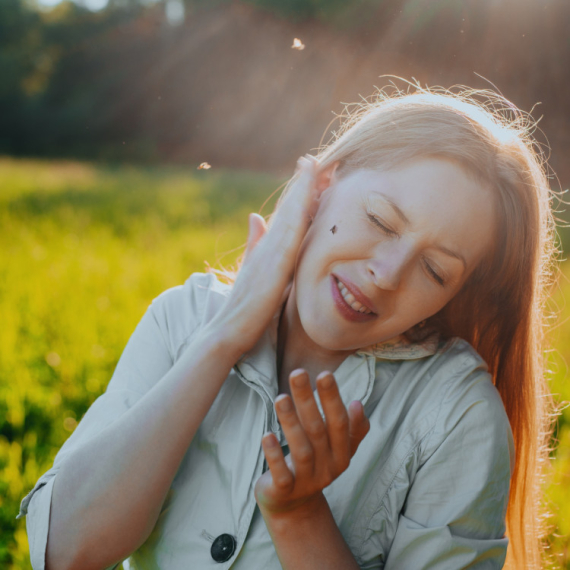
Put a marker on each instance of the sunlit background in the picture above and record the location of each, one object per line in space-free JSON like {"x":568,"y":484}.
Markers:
{"x":109,"y":107}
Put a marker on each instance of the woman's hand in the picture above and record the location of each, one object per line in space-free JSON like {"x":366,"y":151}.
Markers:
{"x":319,"y":451}
{"x":269,"y":263}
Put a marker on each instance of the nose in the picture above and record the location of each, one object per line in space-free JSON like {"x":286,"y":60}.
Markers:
{"x":388,"y":267}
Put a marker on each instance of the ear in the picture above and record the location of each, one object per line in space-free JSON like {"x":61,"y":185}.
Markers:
{"x":326,"y":177}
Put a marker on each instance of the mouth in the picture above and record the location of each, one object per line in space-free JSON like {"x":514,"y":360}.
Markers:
{"x":350,"y":301}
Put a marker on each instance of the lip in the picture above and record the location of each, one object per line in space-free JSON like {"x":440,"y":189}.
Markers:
{"x":344,"y":308}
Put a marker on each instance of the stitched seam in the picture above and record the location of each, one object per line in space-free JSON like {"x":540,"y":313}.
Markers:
{"x":412,"y":428}
{"x":382,"y":504}
{"x":411,"y":452}
{"x":162,"y":335}
{"x":446,"y":389}
{"x":413,"y":447}
{"x":199,"y":320}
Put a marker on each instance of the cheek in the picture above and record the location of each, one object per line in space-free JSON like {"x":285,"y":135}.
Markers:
{"x":431,"y":305}
{"x":421,"y":298}
{"x":322,"y":239}
{"x":309,"y":248}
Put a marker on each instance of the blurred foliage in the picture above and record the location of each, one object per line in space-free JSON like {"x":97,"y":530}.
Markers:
{"x":303,"y":9}
{"x":353,"y":15}
{"x":558,"y":482}
{"x":83,"y":251}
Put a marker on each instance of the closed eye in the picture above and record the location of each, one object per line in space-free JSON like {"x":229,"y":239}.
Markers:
{"x":434,"y":274}
{"x":376,"y":221}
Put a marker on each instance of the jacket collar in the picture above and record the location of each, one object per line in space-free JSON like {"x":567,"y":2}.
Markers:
{"x":355,"y":376}
{"x":401,"y":348}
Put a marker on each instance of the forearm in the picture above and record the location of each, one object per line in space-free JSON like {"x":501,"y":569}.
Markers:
{"x":309,"y":538}
{"x":111,"y":490}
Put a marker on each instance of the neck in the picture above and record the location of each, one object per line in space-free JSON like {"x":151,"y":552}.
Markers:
{"x":295,"y":349}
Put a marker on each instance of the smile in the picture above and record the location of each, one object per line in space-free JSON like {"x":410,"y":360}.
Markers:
{"x":347,"y":304}
{"x":350,"y":300}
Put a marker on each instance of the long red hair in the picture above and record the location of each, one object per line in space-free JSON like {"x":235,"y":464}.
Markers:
{"x":500,"y":309}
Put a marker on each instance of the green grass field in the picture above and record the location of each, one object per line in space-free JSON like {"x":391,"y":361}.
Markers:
{"x":83,"y":251}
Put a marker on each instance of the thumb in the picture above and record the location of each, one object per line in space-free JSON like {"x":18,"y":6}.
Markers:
{"x":257,"y":229}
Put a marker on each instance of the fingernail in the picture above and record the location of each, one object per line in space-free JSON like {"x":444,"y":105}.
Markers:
{"x":284,"y":404}
{"x":269,"y":440}
{"x":298,"y":378}
{"x":326,"y":380}
{"x":357,"y":407}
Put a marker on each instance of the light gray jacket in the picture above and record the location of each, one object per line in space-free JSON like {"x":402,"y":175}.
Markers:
{"x":427,"y":488}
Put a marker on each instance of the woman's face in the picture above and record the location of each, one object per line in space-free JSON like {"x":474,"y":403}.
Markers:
{"x":388,"y":249}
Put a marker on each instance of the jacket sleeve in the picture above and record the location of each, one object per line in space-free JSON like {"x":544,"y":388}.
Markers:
{"x":454,"y":513}
{"x":147,"y":357}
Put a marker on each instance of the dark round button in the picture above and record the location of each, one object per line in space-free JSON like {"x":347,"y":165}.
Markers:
{"x":223,"y":547}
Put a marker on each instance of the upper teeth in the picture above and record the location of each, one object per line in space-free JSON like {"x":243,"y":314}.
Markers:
{"x":349,"y":298}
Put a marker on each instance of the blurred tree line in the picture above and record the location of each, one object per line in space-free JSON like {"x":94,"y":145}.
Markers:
{"x":128,"y":83}
{"x":46,"y":62}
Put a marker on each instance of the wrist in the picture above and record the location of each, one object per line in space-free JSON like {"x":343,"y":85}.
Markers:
{"x":214,"y":343}
{"x":302,"y":514}
{"x":308,"y":537}
{"x":232,"y":334}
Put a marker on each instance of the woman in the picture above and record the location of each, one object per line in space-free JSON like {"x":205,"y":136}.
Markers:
{"x":409,"y":258}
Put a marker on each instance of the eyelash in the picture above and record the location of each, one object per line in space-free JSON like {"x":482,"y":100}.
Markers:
{"x":433,"y":274}
{"x":438,"y":278}
{"x":384,"y":228}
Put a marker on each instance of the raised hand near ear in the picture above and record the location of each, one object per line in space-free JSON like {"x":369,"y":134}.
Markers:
{"x":269,"y":263}
{"x":257,"y":229}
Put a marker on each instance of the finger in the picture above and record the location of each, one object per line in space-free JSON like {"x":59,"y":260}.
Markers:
{"x":282,"y":477}
{"x":337,"y":420}
{"x":308,"y":163}
{"x":295,"y":204}
{"x":300,"y":447}
{"x":359,"y":425}
{"x":257,"y":229}
{"x":311,"y":171}
{"x":308,"y":413}
{"x":286,"y":292}
{"x":307,"y":184}
{"x":290,"y":220}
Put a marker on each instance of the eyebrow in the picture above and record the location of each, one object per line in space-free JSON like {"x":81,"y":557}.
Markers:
{"x":404,"y":219}
{"x":454,"y":254}
{"x":396,"y":209}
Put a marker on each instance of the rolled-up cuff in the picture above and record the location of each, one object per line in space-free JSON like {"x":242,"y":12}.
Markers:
{"x":36,"y":507}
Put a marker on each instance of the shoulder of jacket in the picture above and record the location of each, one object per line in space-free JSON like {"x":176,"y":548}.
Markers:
{"x":195,"y":290}
{"x":468,"y":399}
{"x":181,"y":310}
{"x":459,"y":354}
{"x":454,"y":362}
{"x":465,"y":375}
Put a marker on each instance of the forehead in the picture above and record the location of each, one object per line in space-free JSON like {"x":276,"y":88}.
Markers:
{"x":432,"y":197}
